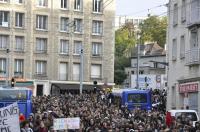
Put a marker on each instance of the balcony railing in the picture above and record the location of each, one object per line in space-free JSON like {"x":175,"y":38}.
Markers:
{"x":18,"y":74}
{"x":76,"y":77}
{"x":63,"y":77}
{"x":192,"y":57}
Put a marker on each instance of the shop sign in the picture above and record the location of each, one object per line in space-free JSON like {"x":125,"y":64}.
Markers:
{"x":188,"y":87}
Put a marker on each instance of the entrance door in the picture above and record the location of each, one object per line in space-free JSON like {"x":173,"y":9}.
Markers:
{"x":39,"y":90}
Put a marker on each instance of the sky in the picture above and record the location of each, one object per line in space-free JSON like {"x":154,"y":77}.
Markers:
{"x":140,"y":7}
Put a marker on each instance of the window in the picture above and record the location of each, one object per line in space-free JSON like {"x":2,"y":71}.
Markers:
{"x":174,"y":49}
{"x":96,"y":49}
{"x":97,"y":27}
{"x":141,"y":72}
{"x":97,"y":5}
{"x":19,"y":19}
{"x":78,"y":25}
{"x":43,"y":3}
{"x":63,"y":71}
{"x":3,"y":0}
{"x":194,"y":39}
{"x":19,"y":66}
{"x":77,"y":47}
{"x":183,"y":11}
{"x":2,"y":66}
{"x":78,"y":5}
{"x":19,"y":43}
{"x":195,"y":11}
{"x":4,"y":17}
{"x":137,"y":98}
{"x":64,"y":4}
{"x":41,"y":22}
{"x":19,"y":1}
{"x":64,"y":24}
{"x":182,"y":47}
{"x":4,"y":41}
{"x":96,"y":71}
{"x":41,"y":45}
{"x":64,"y":46}
{"x":13,"y":95}
{"x":175,"y":15}
{"x":41,"y":67}
{"x":76,"y":72}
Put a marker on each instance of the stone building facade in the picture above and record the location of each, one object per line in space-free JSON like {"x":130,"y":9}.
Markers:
{"x":183,"y":54}
{"x":45,"y":37}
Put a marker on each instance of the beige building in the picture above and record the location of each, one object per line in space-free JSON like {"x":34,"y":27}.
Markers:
{"x":183,"y":54}
{"x":45,"y":37}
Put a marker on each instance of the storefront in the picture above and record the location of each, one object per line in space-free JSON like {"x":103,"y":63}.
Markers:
{"x":189,"y":93}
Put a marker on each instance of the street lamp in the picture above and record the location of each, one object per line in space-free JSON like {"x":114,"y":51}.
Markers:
{"x":138,"y":57}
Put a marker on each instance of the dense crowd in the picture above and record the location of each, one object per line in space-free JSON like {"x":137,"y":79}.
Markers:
{"x":98,"y":114}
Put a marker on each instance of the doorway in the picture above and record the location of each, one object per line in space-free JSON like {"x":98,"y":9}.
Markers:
{"x":39,"y":91}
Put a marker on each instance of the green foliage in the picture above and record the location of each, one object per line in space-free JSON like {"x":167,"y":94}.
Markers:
{"x":120,"y":64}
{"x":124,"y":42}
{"x":154,"y":29}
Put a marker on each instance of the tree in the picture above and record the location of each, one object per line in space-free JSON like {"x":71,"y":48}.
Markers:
{"x":124,"y":42}
{"x":154,"y":29}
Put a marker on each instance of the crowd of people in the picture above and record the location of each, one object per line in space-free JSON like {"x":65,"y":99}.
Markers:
{"x":98,"y":114}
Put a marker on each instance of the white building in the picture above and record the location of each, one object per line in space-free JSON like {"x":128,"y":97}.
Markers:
{"x":152,"y":64}
{"x":121,"y":20}
{"x":183,"y":54}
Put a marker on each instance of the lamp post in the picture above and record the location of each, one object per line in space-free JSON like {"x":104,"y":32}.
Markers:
{"x":138,"y":57}
{"x":81,"y":72}
{"x":7,"y":66}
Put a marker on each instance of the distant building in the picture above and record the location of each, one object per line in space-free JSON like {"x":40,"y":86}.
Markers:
{"x":152,"y":64}
{"x":45,"y":37}
{"x":120,"y":21}
{"x":183,"y":54}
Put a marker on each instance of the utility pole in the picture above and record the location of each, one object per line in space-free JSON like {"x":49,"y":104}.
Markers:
{"x":7,"y":66}
{"x":138,"y":57}
{"x":81,"y":72}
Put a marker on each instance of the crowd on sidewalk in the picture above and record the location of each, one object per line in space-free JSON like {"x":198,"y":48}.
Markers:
{"x":98,"y":114}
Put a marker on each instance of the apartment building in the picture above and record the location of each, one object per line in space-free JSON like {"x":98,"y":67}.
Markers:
{"x":183,"y":54}
{"x":45,"y":38}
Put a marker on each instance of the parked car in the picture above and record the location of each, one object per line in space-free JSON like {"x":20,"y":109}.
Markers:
{"x":172,"y":115}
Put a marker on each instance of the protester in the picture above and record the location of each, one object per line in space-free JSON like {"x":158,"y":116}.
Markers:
{"x":25,"y":127}
{"x":98,"y":113}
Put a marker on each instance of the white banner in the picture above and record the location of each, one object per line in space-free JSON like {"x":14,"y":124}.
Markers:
{"x":66,"y":123}
{"x":9,"y":118}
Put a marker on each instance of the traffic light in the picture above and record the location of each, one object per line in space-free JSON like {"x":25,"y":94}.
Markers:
{"x":95,"y":82}
{"x":12,"y":82}
{"x":95,"y":86}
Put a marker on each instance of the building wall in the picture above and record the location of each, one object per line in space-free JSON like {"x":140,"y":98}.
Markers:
{"x":179,"y":71}
{"x":53,"y":35}
{"x":146,"y":67}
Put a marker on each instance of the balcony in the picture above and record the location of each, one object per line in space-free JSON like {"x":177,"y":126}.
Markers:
{"x":18,"y":74}
{"x":2,"y":73}
{"x":76,"y":77}
{"x":194,"y":18}
{"x":192,"y":57}
{"x":63,"y":77}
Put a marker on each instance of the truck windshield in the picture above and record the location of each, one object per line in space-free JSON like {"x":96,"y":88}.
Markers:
{"x":186,"y":115}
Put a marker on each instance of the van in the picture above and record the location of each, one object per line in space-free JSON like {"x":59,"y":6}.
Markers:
{"x":173,"y":115}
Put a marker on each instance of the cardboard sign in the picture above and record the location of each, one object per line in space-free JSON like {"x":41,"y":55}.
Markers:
{"x":66,"y":123}
{"x":9,"y":118}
